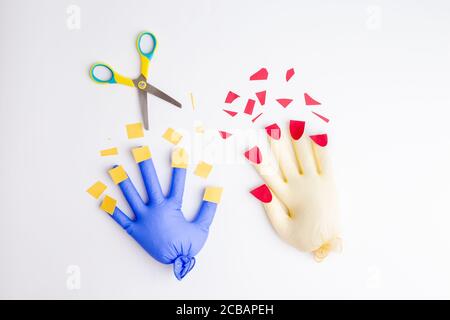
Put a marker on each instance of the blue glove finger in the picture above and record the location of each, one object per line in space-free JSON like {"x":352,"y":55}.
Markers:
{"x":151,"y":181}
{"x":205,"y":215}
{"x":177,"y":186}
{"x":133,"y":198}
{"x":122,"y":219}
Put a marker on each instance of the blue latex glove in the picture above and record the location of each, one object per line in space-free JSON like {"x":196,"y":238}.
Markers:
{"x":159,"y":225}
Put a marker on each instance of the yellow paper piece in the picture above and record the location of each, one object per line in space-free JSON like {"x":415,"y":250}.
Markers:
{"x":203,"y":169}
{"x":96,"y":189}
{"x":192,"y":100}
{"x":108,"y":204}
{"x":141,"y":154}
{"x":118,"y":174}
{"x":213,"y":194}
{"x":199,"y":128}
{"x":135,"y":130}
{"x":180,"y":158}
{"x":109,"y":152}
{"x":172,"y":136}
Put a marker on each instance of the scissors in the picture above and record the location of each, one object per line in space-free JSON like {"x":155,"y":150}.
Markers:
{"x":146,"y":45}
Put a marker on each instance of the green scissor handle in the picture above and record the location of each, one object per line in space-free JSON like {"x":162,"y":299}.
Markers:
{"x":146,"y":45}
{"x":103,"y":74}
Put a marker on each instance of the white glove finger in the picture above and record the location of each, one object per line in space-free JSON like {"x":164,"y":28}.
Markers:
{"x":322,"y":159}
{"x":281,"y":147}
{"x":304,"y":155}
{"x":276,"y":212}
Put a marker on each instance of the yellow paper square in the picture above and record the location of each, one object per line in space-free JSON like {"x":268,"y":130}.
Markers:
{"x":172,"y":136}
{"x":118,"y":174}
{"x":96,"y":189}
{"x":108,"y":204}
{"x":203,"y":169}
{"x":180,"y":158}
{"x":213,"y":194}
{"x":141,"y":154}
{"x":109,"y":152}
{"x":135,"y":130}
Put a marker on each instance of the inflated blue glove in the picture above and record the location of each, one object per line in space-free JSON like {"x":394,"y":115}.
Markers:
{"x":159,"y":225}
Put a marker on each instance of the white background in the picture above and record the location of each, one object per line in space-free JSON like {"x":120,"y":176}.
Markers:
{"x":380,"y":68}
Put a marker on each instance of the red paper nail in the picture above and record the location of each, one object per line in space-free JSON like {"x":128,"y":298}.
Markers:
{"x":320,"y":139}
{"x":249,"y":107}
{"x":284,"y":102}
{"x":224,"y":134}
{"x":261,"y":74}
{"x":274,"y":131}
{"x":261,"y":97}
{"x":262,"y":193}
{"x":310,"y":101}
{"x":321,"y":117}
{"x":253,"y":155}
{"x":231,"y":96}
{"x":289,"y":74}
{"x":296,"y":128}
{"x":230,"y":112}
{"x":255,"y":118}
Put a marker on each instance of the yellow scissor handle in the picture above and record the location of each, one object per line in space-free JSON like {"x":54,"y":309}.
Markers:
{"x":146,"y":45}
{"x":103,"y":74}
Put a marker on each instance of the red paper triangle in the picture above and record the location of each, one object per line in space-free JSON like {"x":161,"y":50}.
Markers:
{"x":253,"y":155}
{"x":320,"y":139}
{"x":261,"y":97}
{"x":249,"y":107}
{"x":310,"y":101}
{"x":296,"y":128}
{"x":284,"y":102}
{"x":289,"y":74}
{"x":224,"y":134}
{"x":230,"y":112}
{"x":261,"y":74}
{"x":321,"y":117}
{"x":231,"y":96}
{"x":274,"y":131}
{"x":262,"y":193}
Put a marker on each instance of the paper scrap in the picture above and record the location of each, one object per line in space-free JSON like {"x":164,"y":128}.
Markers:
{"x":108,"y":204}
{"x":118,"y":174}
{"x":261,"y":74}
{"x":172,"y":136}
{"x":135,"y":130}
{"x":249,"y":107}
{"x":141,"y":154}
{"x":273,"y":131}
{"x":262,"y":193}
{"x":230,"y":112}
{"x":199,"y":128}
{"x":289,"y":74}
{"x":109,"y":152}
{"x":213,"y":194}
{"x":180,"y":158}
{"x":256,"y":118}
{"x":192,"y":100}
{"x":231,"y":96}
{"x":253,"y":155}
{"x":320,"y":139}
{"x":321,"y":117}
{"x":203,"y":169}
{"x":96,"y":189}
{"x":310,"y":101}
{"x":284,"y":102}
{"x":224,"y":134}
{"x":261,"y":97}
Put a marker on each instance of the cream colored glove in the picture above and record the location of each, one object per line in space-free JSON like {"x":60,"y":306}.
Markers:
{"x":299,"y":196}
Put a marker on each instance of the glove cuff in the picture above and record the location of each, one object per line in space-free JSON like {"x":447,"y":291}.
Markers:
{"x":182,"y":265}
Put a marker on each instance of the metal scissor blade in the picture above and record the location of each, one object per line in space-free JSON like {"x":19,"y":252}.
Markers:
{"x":144,"y":107}
{"x":158,"y":93}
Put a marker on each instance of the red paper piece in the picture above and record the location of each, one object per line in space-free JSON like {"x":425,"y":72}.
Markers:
{"x":320,"y":139}
{"x":261,"y":97}
{"x":261,"y":74}
{"x":262,"y":193}
{"x":224,"y":134}
{"x":230,"y":112}
{"x":259,"y":115}
{"x":231,"y":96}
{"x":289,"y":74}
{"x":249,"y":107}
{"x":321,"y":117}
{"x":274,"y":131}
{"x":284,"y":102}
{"x":310,"y":101}
{"x":253,"y":155}
{"x":296,"y":128}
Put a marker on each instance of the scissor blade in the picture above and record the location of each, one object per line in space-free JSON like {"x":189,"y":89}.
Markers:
{"x":158,"y":93}
{"x":144,"y":107}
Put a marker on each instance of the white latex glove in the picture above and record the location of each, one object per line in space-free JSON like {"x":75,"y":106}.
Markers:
{"x":299,"y":196}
